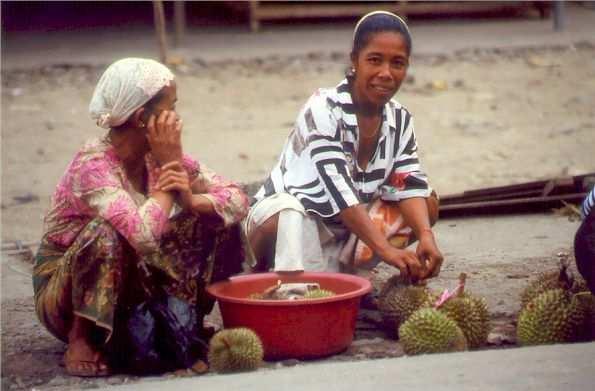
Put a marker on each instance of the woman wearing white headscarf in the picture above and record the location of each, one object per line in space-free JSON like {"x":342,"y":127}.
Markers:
{"x":112,"y":211}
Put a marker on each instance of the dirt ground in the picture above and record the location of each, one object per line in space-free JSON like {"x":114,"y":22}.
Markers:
{"x":482,"y":117}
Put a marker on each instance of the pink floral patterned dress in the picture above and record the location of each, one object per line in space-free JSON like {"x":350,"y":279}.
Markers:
{"x":98,"y":225}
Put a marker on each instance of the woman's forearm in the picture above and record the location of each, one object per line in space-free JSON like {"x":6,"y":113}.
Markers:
{"x":202,"y":205}
{"x":356,"y":219}
{"x":165,"y":199}
{"x":415,"y":214}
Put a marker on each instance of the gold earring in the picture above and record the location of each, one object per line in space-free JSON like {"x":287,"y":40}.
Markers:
{"x":141,"y":125}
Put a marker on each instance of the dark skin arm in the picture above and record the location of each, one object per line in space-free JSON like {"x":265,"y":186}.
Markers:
{"x":415,"y":213}
{"x":173,"y":177}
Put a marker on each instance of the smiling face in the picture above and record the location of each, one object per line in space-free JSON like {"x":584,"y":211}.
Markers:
{"x":380,"y":68}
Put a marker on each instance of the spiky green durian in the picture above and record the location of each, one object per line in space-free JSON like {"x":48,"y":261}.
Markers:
{"x":430,"y":331}
{"x":397,"y":301}
{"x":586,"y":301}
{"x":472,"y":316}
{"x":556,"y":279}
{"x":470,"y":313}
{"x":238,"y":349}
{"x":318,"y":294}
{"x":554,"y":316}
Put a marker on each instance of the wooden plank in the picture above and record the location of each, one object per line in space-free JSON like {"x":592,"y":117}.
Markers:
{"x":462,"y":7}
{"x":159,"y":18}
{"x":464,"y":198}
{"x":521,"y":205}
{"x":304,"y":10}
{"x":254,"y":19}
{"x":542,"y":187}
{"x":179,"y":22}
{"x":264,"y":10}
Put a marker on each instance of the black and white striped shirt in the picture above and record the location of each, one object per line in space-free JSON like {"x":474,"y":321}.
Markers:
{"x":588,"y":204}
{"x":319,"y":167}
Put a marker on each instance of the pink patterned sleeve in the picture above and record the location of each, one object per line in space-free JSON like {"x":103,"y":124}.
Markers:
{"x":229,"y":200}
{"x":101,"y":190}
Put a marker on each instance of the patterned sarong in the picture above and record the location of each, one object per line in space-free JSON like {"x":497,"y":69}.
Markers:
{"x":98,"y":275}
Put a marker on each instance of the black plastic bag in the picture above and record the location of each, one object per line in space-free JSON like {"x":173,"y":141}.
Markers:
{"x":140,"y":331}
{"x":162,"y":334}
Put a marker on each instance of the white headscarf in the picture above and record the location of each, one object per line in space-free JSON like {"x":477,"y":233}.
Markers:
{"x":125,"y":86}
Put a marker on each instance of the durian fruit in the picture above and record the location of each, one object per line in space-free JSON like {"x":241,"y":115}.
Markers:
{"x":470,"y":313}
{"x":238,"y":349}
{"x":318,"y":294}
{"x":561,"y":278}
{"x":430,"y":331}
{"x":555,"y":316}
{"x":398,"y":300}
{"x":587,"y":302}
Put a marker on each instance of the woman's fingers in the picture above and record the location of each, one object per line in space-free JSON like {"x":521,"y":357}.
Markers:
{"x":175,"y":182}
{"x":402,"y":266}
{"x":175,"y":165}
{"x":151,"y":127}
{"x":172,"y":176}
{"x":161,"y":120}
{"x":414,"y":265}
{"x":170,"y":121}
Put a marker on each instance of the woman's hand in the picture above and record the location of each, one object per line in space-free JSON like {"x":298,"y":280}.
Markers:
{"x":164,"y":136}
{"x":173,"y":177}
{"x":427,"y":251}
{"x":406,"y":261}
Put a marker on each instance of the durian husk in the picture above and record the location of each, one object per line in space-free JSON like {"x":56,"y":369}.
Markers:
{"x":472,"y":316}
{"x":470,"y":313}
{"x":555,"y":316}
{"x":398,"y":300}
{"x":319,"y":294}
{"x":237,"y":349}
{"x":556,"y":279}
{"x":430,"y":331}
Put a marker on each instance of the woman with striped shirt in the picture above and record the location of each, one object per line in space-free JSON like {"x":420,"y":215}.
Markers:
{"x":348,"y":190}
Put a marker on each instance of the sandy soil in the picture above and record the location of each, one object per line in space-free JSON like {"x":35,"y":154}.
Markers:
{"x":503,"y":117}
{"x":482,"y":118}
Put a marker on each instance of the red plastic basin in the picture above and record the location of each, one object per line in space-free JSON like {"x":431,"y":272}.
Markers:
{"x":300,"y":329}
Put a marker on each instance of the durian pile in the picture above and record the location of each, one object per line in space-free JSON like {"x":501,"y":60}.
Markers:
{"x":427,"y":323}
{"x":237,"y":349}
{"x":556,"y":308}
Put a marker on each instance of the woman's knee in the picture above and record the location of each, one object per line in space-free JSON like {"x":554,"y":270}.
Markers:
{"x":267,"y":230}
{"x":99,"y":232}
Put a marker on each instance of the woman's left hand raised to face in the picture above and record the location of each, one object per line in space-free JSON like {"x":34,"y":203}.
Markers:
{"x":164,"y":136}
{"x":173,"y":177}
{"x":427,"y":251}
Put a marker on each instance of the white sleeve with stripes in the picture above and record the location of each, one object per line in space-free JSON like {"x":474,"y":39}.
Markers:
{"x":320,"y":129}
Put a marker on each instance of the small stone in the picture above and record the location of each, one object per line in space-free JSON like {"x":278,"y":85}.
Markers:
{"x":200,"y":367}
{"x":439,"y":85}
{"x":291,"y":362}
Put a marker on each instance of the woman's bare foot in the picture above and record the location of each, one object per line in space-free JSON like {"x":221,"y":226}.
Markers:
{"x":81,"y":357}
